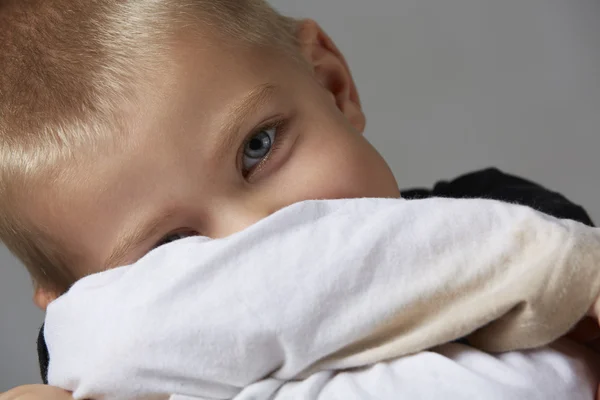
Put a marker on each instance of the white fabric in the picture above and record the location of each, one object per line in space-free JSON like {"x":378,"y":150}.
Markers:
{"x":561,"y":371}
{"x":325,"y":285}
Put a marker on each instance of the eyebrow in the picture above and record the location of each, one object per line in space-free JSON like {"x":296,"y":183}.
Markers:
{"x":237,"y":114}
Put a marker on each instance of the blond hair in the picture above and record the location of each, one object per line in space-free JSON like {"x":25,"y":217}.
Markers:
{"x":66,"y":66}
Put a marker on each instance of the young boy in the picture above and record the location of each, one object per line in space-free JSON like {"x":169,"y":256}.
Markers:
{"x":129,"y":125}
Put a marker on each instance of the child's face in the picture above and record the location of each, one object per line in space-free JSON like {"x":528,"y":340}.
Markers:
{"x":226,"y":138}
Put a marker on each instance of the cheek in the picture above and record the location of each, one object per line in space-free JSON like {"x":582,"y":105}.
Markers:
{"x":342,"y":165}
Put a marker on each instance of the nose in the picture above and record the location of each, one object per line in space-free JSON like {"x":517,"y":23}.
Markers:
{"x":232,"y":217}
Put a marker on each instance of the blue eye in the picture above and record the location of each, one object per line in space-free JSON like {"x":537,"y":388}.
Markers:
{"x":173,"y":237}
{"x":258,"y":147}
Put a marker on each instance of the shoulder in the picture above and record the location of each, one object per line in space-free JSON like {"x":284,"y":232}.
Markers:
{"x":492,"y":183}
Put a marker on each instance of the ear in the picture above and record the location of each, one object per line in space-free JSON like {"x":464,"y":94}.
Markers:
{"x":331,"y":70}
{"x":42,"y":297}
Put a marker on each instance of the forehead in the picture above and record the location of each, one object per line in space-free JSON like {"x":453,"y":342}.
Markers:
{"x":202,"y":78}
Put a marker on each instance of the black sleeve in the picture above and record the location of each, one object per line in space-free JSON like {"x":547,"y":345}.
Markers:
{"x":492,"y":183}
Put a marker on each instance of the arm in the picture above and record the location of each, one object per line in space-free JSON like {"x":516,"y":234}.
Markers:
{"x":489,"y":183}
{"x":561,"y":371}
{"x":492,"y":183}
{"x":373,"y":286}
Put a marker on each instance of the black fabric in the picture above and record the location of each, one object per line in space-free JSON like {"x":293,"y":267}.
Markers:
{"x":490,"y":183}
{"x":43,"y":355}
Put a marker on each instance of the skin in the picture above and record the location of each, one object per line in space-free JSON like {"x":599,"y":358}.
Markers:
{"x":179,"y":161}
{"x":182,"y":164}
{"x":35,"y":392}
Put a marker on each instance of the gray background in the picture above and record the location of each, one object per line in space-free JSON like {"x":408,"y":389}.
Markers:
{"x":448,"y":86}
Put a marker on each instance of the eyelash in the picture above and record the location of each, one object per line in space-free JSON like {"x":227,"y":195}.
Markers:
{"x":164,"y":240}
{"x":280,"y":126}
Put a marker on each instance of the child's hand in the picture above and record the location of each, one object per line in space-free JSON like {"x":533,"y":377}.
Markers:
{"x":36,"y":392}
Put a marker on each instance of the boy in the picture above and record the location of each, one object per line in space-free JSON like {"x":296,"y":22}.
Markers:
{"x":125,"y":127}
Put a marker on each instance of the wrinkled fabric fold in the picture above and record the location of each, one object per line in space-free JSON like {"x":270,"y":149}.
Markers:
{"x":322,"y":285}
